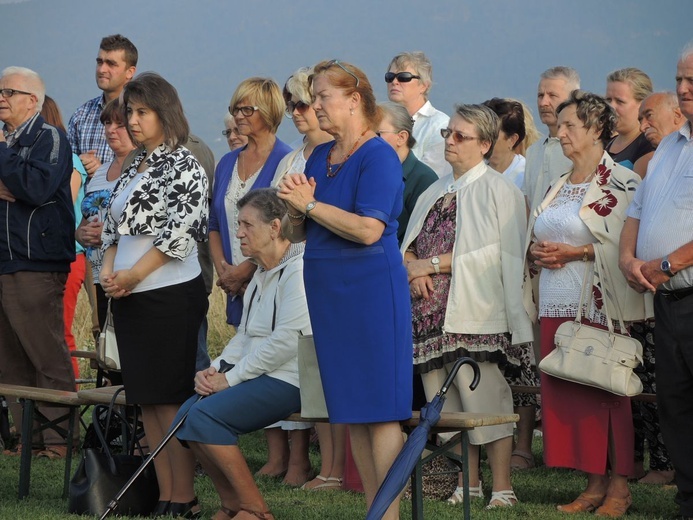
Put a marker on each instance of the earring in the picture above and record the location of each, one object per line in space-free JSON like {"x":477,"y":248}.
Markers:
{"x":594,"y":143}
{"x":351,"y":111}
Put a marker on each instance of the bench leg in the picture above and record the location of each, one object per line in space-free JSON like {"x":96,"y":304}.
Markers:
{"x":417,"y":491}
{"x":70,"y":443}
{"x":27,"y":445}
{"x":465,"y":475}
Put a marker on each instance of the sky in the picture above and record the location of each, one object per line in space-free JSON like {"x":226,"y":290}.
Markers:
{"x":479,"y":48}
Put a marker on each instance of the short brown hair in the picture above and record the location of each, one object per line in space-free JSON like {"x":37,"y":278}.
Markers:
{"x":118,"y":42}
{"x":113,"y":111}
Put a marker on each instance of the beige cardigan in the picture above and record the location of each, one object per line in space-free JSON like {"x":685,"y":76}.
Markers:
{"x":603,"y":211}
{"x":486,"y":288}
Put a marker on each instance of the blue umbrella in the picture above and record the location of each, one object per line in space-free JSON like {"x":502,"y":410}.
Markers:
{"x":404,"y":464}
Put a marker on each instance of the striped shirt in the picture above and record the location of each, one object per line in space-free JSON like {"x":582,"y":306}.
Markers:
{"x":86,"y":132}
{"x":664,"y":203}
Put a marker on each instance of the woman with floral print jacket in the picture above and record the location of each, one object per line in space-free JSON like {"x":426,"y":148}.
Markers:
{"x":582,"y":214}
{"x":156,"y":216}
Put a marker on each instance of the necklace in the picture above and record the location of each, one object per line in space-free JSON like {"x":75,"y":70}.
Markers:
{"x":345,"y":158}
{"x":249,"y":175}
{"x":585,"y":180}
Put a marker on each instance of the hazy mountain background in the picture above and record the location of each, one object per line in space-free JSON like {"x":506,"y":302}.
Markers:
{"x":479,"y":48}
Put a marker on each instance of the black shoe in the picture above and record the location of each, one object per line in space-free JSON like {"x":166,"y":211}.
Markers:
{"x":161,"y":509}
{"x":180,"y":510}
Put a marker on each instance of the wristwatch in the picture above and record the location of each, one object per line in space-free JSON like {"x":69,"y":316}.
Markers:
{"x":436,"y":264}
{"x":310,"y":207}
{"x":665,"y":266}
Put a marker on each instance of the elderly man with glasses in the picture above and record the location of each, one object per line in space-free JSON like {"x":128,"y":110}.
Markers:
{"x":37,"y":245}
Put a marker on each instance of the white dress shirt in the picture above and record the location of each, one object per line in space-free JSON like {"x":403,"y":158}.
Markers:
{"x":545,"y":164}
{"x":430,"y":145}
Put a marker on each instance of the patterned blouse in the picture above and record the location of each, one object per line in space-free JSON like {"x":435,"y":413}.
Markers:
{"x":170,"y":203}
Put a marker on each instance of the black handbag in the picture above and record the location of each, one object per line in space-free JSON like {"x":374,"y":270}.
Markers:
{"x":109,"y":459}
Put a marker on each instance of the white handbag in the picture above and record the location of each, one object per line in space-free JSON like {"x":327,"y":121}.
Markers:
{"x":313,"y":404}
{"x":592,"y":356}
{"x":107,"y":352}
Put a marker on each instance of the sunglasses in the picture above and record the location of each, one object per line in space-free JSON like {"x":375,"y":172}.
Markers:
{"x":458,"y":137}
{"x":402,"y":77}
{"x":298,"y":105}
{"x":247,"y":111}
{"x":230,"y":131}
{"x":336,"y":62}
{"x":9,"y":92}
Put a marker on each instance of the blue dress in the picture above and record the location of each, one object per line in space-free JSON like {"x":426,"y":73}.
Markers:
{"x":358,"y":295}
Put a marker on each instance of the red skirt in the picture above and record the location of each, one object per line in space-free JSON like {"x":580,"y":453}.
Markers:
{"x":578,"y":419}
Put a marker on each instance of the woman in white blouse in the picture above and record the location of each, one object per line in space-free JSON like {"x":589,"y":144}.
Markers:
{"x":156,"y":216}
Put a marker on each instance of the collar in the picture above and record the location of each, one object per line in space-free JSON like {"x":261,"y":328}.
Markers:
{"x":294,"y":250}
{"x":550,"y":139}
{"x":426,"y":110}
{"x":685,"y":130}
{"x":468,"y":178}
{"x":21,"y":130}
{"x":408,"y":165}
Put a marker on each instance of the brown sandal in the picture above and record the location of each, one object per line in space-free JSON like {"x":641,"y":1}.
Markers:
{"x":229,"y":513}
{"x":244,"y":513}
{"x":614,"y":507}
{"x":585,"y":503}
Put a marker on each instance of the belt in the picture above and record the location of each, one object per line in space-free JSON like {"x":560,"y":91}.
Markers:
{"x":678,"y":294}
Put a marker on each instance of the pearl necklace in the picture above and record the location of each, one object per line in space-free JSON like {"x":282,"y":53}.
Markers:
{"x":345,"y":158}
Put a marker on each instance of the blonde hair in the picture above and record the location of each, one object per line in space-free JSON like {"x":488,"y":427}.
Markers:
{"x":639,"y":82}
{"x":298,"y":85}
{"x":531,"y":133}
{"x":266,"y":94}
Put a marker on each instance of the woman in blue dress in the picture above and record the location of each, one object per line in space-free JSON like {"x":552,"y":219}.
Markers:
{"x":347,"y":203}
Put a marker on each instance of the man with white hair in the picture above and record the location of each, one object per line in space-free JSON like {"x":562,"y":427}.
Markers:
{"x":37,"y":245}
{"x":545,"y":159}
{"x":659,"y":116}
{"x":657,"y":256}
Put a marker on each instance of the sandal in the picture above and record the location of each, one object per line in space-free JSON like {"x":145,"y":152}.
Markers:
{"x":457,"y":496}
{"x":526,"y":460}
{"x":53,"y":452}
{"x":584,"y":503}
{"x":184,"y":510}
{"x":317,"y":477}
{"x":331,"y":483}
{"x":230,"y":513}
{"x":658,"y":477}
{"x":504,"y":498}
{"x":614,"y":507}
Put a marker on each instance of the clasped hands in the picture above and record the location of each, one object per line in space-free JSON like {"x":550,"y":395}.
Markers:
{"x":297,"y":190}
{"x":643,"y":276}
{"x":209,"y":381}
{"x":119,"y":284}
{"x":554,"y":255}
{"x":231,"y":280}
{"x":420,"y":282}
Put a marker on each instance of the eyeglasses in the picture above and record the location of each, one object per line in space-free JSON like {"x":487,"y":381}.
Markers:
{"x":402,"y":77}
{"x":247,"y":111}
{"x":336,"y":62}
{"x":9,"y":92}
{"x":458,"y":137}
{"x":385,"y":132}
{"x":298,"y":105}
{"x":230,"y":131}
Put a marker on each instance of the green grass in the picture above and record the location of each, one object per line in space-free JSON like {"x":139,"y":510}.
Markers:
{"x":539,"y":490}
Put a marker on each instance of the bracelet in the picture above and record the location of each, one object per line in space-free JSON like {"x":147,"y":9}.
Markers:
{"x":585,"y":251}
{"x":301,"y":216}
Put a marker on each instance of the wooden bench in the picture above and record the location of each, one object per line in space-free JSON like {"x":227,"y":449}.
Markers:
{"x":461,"y":422}
{"x":102,"y":395}
{"x":30,"y":397}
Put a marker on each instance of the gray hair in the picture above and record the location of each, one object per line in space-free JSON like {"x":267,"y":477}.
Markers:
{"x":268,"y":204}
{"x":298,"y":85}
{"x":669,"y":98}
{"x":400,"y":119}
{"x":32,"y":80}
{"x":228,"y":119}
{"x":639,"y":82}
{"x":569,"y":74}
{"x":484,"y":120}
{"x":418,"y":61}
{"x":686,"y":51}
{"x":593,"y":111}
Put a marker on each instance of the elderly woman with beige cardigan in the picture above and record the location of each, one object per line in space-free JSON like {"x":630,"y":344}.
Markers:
{"x":464,"y":257}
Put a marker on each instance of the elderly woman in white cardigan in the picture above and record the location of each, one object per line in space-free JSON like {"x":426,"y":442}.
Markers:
{"x":464,"y":254}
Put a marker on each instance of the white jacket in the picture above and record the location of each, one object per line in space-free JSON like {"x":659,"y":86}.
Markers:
{"x":258,"y":348}
{"x":487,"y":266}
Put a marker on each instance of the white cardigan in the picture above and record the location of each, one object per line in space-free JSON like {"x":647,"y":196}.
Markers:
{"x":486,"y":288}
{"x":256,"y":349}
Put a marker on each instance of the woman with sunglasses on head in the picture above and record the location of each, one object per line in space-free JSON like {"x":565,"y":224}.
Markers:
{"x":257,"y":107}
{"x":463,"y":253}
{"x":346,"y":205}
{"x":409,"y":79}
{"x":233,"y":137}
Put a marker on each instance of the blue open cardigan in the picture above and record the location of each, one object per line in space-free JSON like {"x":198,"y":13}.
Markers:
{"x":218,"y":220}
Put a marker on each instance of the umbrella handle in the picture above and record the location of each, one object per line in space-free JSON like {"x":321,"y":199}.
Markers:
{"x":453,"y":373}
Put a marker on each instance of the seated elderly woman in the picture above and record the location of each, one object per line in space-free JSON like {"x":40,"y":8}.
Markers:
{"x":464,"y":258}
{"x":262,"y":385}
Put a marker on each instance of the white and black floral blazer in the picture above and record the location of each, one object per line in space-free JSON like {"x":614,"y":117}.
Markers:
{"x":170,"y":203}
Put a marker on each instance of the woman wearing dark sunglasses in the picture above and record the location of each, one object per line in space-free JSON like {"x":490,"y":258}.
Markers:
{"x":257,"y":107}
{"x":409,"y":79}
{"x":470,"y":303}
{"x":347,"y":204}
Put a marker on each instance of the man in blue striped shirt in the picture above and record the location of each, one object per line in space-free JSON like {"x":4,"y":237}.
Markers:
{"x":115,"y":66}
